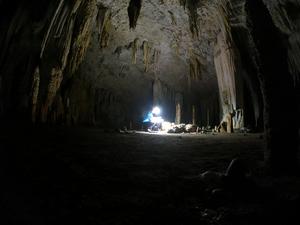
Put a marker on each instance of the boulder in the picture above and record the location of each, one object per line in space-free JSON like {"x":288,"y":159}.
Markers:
{"x":190,"y":128}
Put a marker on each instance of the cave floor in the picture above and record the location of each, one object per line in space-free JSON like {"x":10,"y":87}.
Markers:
{"x":87,"y":176}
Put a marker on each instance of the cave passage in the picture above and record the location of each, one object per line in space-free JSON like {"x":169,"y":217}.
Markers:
{"x":149,"y":112}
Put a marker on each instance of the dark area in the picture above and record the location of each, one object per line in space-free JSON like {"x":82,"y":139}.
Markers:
{"x":85,"y":176}
{"x":133,"y":10}
{"x":266,"y":36}
{"x":249,"y":117}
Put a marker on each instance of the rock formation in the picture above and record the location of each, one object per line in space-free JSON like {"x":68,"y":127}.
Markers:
{"x":107,"y":62}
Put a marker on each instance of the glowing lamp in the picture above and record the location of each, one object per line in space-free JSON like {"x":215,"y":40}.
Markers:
{"x":156,"y":110}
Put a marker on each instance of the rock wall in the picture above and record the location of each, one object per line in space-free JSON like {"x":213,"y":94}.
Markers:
{"x":146,"y":65}
{"x":107,"y":62}
{"x":43,"y":44}
{"x":273,"y":66}
{"x":285,"y":15}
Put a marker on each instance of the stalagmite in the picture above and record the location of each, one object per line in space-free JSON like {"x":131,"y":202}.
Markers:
{"x":229,"y":123}
{"x":207,"y":118}
{"x":178,"y":107}
{"x":178,"y":113}
{"x":193,"y":115}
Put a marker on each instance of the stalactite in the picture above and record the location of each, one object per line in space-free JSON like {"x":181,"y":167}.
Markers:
{"x":223,"y":15}
{"x":192,"y":6}
{"x":64,"y":16}
{"x":193,"y":17}
{"x":65,"y":44}
{"x":82,"y":34}
{"x":195,"y":68}
{"x":54,"y":18}
{"x":104,"y":26}
{"x":173,"y":19}
{"x":35,"y":92}
{"x":134,"y":50}
{"x":56,"y":77}
{"x":146,"y":54}
{"x":155,"y":57}
{"x":73,"y":32}
{"x":133,"y":10}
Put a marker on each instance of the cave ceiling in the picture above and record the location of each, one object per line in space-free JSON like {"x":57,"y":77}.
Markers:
{"x":92,"y":57}
{"x":165,"y":44}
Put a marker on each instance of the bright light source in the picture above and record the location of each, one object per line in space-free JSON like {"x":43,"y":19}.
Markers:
{"x":156,"y":110}
{"x":157,"y":119}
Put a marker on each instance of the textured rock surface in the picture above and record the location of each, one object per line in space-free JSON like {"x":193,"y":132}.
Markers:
{"x":40,"y":51}
{"x":151,"y":63}
{"x":106,"y":62}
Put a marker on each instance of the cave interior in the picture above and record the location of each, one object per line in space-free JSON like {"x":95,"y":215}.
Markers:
{"x":78,"y":78}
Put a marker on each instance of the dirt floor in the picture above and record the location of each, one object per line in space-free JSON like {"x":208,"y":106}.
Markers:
{"x":88,"y":176}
